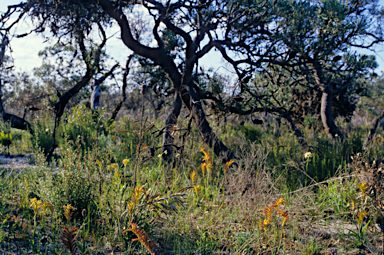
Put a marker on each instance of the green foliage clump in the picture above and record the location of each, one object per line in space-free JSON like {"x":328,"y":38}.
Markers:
{"x":81,"y":122}
{"x":43,"y":139}
{"x":74,"y":181}
{"x":250,"y":132}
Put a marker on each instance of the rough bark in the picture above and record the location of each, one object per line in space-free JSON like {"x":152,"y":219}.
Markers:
{"x":372,"y":130}
{"x":170,"y":123}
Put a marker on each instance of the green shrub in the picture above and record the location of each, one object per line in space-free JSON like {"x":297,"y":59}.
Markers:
{"x":251,"y":132}
{"x":43,"y":128}
{"x":82,"y":123}
{"x":74,"y":182}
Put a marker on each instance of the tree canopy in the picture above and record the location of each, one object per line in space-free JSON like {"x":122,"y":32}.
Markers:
{"x":291,"y":58}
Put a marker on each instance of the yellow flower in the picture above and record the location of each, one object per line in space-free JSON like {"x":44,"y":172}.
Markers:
{"x":125,"y":162}
{"x":98,"y":162}
{"x":203,"y":167}
{"x":354,"y":203}
{"x":196,"y":189}
{"x":193,"y":176}
{"x":279,"y":201}
{"x":308,"y":155}
{"x":360,"y":217}
{"x":363,"y":187}
{"x":67,"y":211}
{"x":265,"y":223}
{"x":115,"y":166}
{"x":137,"y":194}
{"x":207,"y":158}
{"x":130,"y":206}
{"x":35,"y":204}
{"x":227,"y":165}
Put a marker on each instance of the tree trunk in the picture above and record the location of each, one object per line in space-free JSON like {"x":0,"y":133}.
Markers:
{"x":372,"y":131}
{"x":326,"y":112}
{"x":170,"y":123}
{"x":169,"y":66}
{"x":194,"y":105}
{"x":123,"y":89}
{"x":95,"y":97}
{"x":327,"y":115}
{"x":15,"y":121}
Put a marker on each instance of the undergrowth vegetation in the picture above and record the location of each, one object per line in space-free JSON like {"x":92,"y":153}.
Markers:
{"x":109,"y":191}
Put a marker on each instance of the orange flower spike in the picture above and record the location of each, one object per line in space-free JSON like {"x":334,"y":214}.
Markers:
{"x":268,"y":211}
{"x":142,"y":237}
{"x":360,"y":217}
{"x":265,"y":223}
{"x":137,"y":194}
{"x":207,"y":157}
{"x":284,"y":215}
{"x":226,"y":166}
{"x":130,"y":206}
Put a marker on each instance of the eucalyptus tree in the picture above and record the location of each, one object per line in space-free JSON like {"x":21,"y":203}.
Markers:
{"x":321,"y":35}
{"x":312,"y":55}
{"x":308,"y":63}
{"x":72,"y":26}
{"x":200,"y":25}
{"x":305,"y":39}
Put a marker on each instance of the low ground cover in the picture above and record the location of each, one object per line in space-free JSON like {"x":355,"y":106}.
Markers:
{"x":113,"y":195}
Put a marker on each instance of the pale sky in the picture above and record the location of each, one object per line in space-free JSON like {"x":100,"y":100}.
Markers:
{"x":24,"y":50}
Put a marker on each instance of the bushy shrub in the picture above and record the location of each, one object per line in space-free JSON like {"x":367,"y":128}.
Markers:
{"x":80,"y":122}
{"x":74,"y":182}
{"x":43,"y":128}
